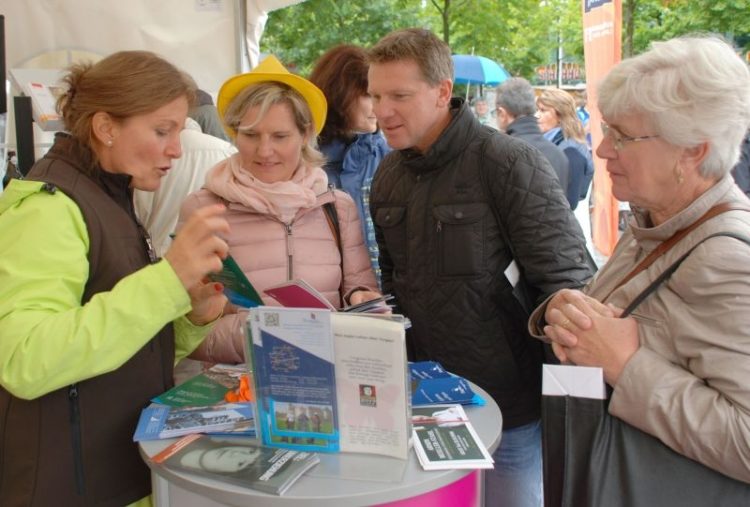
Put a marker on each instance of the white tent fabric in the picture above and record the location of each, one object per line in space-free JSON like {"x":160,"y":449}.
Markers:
{"x":210,"y":39}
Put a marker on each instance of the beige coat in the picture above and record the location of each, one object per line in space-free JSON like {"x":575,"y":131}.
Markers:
{"x":689,"y":383}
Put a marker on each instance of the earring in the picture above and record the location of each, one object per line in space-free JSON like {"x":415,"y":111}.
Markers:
{"x":678,"y":175}
{"x":109,"y":142}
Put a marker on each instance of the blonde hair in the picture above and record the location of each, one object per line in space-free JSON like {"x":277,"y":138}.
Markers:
{"x":565,"y":107}
{"x":264,"y":95}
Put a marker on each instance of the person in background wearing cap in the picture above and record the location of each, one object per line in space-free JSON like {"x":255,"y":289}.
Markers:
{"x":91,"y":320}
{"x":276,"y":193}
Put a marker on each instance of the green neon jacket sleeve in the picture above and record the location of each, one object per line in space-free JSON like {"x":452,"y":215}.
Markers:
{"x":47,"y":339}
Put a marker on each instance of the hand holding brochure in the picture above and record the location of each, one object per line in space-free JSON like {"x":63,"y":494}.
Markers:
{"x":241,"y":462}
{"x":237,"y":287}
{"x":444,"y":439}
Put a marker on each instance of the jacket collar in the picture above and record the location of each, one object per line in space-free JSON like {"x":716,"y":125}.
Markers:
{"x":524,"y":126}
{"x":451,"y":143}
{"x":70,"y":150}
{"x":649,"y":236}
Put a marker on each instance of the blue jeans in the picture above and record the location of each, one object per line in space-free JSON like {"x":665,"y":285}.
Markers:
{"x":516,"y":480}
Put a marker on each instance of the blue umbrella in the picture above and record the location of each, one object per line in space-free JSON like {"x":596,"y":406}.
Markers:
{"x":473,"y":69}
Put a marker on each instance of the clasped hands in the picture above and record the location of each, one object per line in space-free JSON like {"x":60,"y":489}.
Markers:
{"x":585,"y":332}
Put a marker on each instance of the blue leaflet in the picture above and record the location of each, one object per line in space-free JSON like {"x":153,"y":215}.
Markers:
{"x":431,"y":385}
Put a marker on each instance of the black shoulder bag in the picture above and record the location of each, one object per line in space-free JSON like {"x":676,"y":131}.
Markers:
{"x":594,"y":459}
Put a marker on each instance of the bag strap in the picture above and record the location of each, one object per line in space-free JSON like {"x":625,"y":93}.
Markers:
{"x":667,"y":244}
{"x":671,"y":269}
{"x":332,"y":217}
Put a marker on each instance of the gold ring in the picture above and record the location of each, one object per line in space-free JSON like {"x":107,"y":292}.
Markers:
{"x":565,"y":323}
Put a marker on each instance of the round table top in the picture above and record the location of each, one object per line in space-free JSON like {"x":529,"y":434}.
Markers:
{"x":331,"y":483}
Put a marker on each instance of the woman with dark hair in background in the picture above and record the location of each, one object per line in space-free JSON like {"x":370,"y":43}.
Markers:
{"x":350,"y":139}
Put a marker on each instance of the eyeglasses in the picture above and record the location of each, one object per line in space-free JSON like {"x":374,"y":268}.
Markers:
{"x":619,"y":139}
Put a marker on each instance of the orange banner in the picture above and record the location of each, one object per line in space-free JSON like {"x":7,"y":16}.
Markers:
{"x":602,"y":30}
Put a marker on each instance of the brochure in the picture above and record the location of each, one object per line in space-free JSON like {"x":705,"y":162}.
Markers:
{"x":328,"y":381}
{"x":431,"y":385}
{"x":439,"y":391}
{"x":237,"y":461}
{"x":444,"y":439}
{"x":427,"y":369}
{"x":161,"y":421}
{"x":237,"y":287}
{"x":371,"y":384}
{"x":300,"y":294}
{"x":207,"y":388}
{"x":293,"y":361}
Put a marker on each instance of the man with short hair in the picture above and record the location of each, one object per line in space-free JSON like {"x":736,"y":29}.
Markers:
{"x":444,"y":254}
{"x":516,"y":106}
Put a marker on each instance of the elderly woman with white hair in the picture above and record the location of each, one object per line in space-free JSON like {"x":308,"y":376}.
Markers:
{"x":679,"y":364}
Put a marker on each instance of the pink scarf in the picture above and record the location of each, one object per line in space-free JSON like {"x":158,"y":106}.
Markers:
{"x":282,"y":199}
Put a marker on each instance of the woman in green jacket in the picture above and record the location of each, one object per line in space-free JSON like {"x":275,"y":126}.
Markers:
{"x":91,"y":322}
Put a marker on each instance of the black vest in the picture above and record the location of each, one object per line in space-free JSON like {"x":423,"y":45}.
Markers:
{"x":74,"y":446}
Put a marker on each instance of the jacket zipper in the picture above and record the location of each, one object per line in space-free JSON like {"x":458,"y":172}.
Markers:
{"x":289,"y":256}
{"x":75,"y":428}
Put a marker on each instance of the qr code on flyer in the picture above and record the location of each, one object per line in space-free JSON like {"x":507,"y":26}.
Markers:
{"x":271,"y":319}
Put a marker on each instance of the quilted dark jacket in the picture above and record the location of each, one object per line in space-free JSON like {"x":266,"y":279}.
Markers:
{"x":442,"y":254}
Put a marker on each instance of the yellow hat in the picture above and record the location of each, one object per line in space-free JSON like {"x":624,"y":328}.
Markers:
{"x":271,"y":69}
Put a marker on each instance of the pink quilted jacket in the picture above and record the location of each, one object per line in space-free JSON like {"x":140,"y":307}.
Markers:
{"x":269,"y":253}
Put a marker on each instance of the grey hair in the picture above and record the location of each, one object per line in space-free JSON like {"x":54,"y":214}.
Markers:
{"x":691,"y":90}
{"x":516,"y":96}
{"x":265,"y":94}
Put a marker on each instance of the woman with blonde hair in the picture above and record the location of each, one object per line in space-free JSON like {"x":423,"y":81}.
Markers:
{"x":561,"y":125}
{"x":286,"y":222}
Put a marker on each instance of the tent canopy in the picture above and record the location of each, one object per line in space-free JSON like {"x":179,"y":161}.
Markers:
{"x":210,"y":39}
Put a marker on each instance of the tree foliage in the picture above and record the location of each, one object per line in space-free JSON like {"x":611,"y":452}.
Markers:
{"x":664,"y":19}
{"x":300,"y":34}
{"x":520,"y":34}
